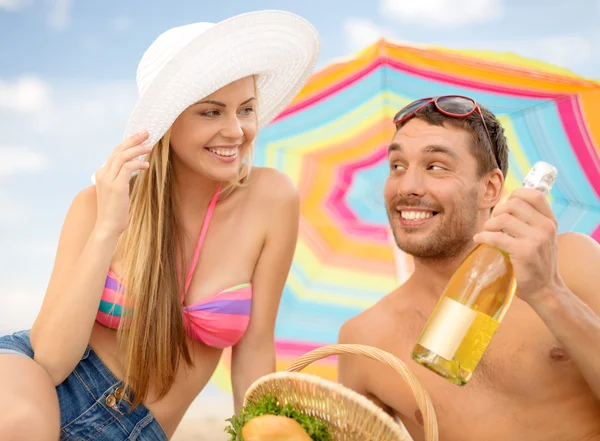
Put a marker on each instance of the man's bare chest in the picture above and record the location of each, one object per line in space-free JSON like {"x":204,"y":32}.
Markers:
{"x":524,"y":366}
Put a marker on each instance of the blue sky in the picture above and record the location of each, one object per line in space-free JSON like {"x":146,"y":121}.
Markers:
{"x":67,"y":84}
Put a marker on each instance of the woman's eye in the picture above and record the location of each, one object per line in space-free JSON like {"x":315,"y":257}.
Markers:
{"x":211,"y":113}
{"x":247,"y":110}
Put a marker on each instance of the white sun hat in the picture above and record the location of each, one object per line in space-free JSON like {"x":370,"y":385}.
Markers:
{"x":187,"y":63}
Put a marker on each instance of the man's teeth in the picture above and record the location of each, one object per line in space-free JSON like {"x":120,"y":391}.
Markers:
{"x":224,"y":152}
{"x":416,"y":215}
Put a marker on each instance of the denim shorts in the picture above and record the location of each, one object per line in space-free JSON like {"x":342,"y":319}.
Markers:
{"x":92,"y":406}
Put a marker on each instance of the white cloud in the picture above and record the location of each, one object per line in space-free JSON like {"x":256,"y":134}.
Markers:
{"x":570,"y":51}
{"x":59,"y":11}
{"x":69,"y":111}
{"x":562,"y":50}
{"x":81,"y":125}
{"x":59,"y":15}
{"x":27,"y":94}
{"x":87,"y":109}
{"x":13,"y":5}
{"x":442,"y":13}
{"x":15,"y":160}
{"x":360,"y":33}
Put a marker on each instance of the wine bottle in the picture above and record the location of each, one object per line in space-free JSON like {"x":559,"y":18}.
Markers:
{"x":473,"y":304}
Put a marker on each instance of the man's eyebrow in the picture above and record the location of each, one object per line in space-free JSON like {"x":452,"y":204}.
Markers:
{"x":432,"y":148}
{"x":436,"y":148}
{"x":220,"y":104}
{"x":394,"y":147}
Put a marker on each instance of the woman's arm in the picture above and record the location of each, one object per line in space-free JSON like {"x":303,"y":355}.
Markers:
{"x":62,"y":329}
{"x":88,"y":240}
{"x":254,"y":355}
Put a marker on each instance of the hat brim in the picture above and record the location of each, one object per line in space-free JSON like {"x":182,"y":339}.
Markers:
{"x":280,"y":48}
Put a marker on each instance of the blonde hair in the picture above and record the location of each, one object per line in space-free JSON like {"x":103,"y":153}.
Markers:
{"x":152,"y":337}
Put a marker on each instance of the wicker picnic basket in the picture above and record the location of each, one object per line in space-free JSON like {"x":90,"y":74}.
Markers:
{"x":349,"y":415}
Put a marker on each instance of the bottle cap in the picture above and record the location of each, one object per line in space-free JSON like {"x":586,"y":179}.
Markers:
{"x":541,"y":177}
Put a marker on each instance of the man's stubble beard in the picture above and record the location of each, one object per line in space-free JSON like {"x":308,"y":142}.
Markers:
{"x":450,"y":239}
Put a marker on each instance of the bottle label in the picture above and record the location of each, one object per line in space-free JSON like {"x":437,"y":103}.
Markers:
{"x":447,"y":327}
{"x":455,"y":331}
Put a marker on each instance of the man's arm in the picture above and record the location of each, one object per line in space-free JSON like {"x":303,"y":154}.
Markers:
{"x":557,"y":281}
{"x":350,"y":371}
{"x":572,"y":311}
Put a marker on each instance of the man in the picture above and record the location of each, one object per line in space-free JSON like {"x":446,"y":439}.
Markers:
{"x":540,"y":376}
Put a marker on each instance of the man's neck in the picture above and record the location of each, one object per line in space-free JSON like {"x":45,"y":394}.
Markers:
{"x":432,"y":275}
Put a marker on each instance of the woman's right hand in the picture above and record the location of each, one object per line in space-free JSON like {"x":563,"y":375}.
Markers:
{"x":112,"y":183}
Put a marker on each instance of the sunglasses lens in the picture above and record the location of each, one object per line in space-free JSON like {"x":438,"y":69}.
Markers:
{"x":409,"y":109}
{"x":456,"y":105}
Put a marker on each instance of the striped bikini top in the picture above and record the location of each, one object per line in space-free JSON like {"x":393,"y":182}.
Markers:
{"x":219,"y":320}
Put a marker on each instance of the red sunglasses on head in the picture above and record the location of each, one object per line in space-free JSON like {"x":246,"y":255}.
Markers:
{"x":454,"y":106}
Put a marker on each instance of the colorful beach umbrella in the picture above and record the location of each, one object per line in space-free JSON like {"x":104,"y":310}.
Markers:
{"x":332,"y":141}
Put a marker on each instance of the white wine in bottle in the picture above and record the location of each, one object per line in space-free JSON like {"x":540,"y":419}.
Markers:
{"x":473,"y":304}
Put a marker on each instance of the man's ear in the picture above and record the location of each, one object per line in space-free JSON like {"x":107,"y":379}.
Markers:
{"x":493,"y":189}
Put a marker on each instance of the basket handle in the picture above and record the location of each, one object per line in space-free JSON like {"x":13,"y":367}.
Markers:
{"x":423,"y":400}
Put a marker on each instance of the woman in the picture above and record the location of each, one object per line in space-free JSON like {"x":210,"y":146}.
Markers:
{"x":176,"y":253}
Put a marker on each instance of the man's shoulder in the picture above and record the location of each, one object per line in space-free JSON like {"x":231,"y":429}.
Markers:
{"x":365,"y":326}
{"x":576,"y":249}
{"x":571,"y":241}
{"x":350,"y":331}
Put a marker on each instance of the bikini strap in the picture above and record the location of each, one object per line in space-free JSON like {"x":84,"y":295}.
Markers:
{"x":207,"y":218}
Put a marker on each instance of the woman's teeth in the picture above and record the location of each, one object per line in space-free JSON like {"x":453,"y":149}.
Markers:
{"x":224,"y":152}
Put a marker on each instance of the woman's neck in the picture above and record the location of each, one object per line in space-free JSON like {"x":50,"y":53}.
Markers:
{"x":193,"y":191}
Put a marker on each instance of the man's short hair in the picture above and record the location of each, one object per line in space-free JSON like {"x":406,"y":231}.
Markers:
{"x":488,"y":157}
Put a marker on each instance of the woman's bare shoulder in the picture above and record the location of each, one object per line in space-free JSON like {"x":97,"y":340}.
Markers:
{"x":272,"y":186}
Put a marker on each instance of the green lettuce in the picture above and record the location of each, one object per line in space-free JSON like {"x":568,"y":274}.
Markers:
{"x":267,"y":405}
